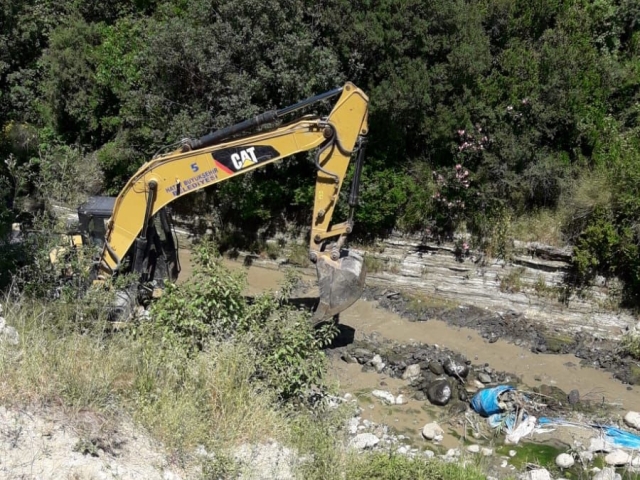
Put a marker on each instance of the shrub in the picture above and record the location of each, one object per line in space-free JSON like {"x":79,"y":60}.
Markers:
{"x":210,"y":307}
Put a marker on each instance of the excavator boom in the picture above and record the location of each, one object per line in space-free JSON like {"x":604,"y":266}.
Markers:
{"x":217,"y":157}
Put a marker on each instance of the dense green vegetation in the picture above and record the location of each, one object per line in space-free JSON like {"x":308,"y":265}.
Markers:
{"x":536,"y":100}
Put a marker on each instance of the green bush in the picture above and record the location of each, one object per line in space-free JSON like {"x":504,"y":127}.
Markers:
{"x":209,"y":307}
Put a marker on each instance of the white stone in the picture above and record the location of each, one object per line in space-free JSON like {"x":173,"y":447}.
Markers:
{"x":564,"y":460}
{"x":504,"y":464}
{"x":632,"y":419}
{"x":411,"y":372}
{"x":376,"y":360}
{"x":386,"y":397}
{"x":617,"y":458}
{"x":8,"y":334}
{"x":607,"y":473}
{"x":363,"y":441}
{"x":353,"y":425}
{"x":487,"y":452}
{"x":429,"y":453}
{"x":600,"y":445}
{"x":400,"y":400}
{"x":473,"y":448}
{"x":453,"y":452}
{"x":537,"y":474}
{"x":512,"y":453}
{"x":586,"y":456}
{"x":431,"y":431}
{"x":403,"y":450}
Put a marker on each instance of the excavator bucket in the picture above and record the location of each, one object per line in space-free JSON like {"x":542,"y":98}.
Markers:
{"x":341,"y":283}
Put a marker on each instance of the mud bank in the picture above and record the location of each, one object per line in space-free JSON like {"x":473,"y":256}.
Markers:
{"x":597,"y":351}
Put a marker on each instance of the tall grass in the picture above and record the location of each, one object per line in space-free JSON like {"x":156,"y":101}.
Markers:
{"x":209,"y":399}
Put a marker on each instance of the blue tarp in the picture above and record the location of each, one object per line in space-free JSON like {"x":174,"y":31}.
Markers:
{"x":485,"y":402}
{"x":613,"y":435}
{"x":622,"y":438}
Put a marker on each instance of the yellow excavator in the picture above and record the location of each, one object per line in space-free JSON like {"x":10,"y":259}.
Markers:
{"x":135,"y":232}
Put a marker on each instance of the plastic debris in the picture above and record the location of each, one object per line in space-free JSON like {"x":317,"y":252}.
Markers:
{"x":487,"y":402}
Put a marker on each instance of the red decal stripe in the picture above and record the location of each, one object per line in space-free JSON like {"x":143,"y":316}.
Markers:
{"x":222,"y":167}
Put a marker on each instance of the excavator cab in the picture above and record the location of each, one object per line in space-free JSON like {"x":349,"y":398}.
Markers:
{"x":93,"y":216}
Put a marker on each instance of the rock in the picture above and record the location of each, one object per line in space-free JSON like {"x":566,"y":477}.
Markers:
{"x":586,"y":456}
{"x":431,"y":430}
{"x":537,"y":474}
{"x":364,"y":441}
{"x":386,"y":397}
{"x":439,"y":392}
{"x":403,"y":450}
{"x":420,"y":396}
{"x":484,"y":378}
{"x":346,"y":357}
{"x":8,"y":334}
{"x":573,"y":397}
{"x":455,"y":369}
{"x":412,"y":372}
{"x":436,"y":368}
{"x":362,"y":354}
{"x":617,"y":458}
{"x":512,"y":453}
{"x":429,"y":454}
{"x":453,"y":452}
{"x":632,"y":419}
{"x":377,"y":363}
{"x":473,"y":448}
{"x":487,"y":452}
{"x":400,"y":400}
{"x":607,"y":473}
{"x":600,"y":445}
{"x":564,"y":460}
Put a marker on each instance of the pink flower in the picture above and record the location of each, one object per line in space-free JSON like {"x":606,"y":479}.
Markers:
{"x":458,"y":167}
{"x":465,"y":246}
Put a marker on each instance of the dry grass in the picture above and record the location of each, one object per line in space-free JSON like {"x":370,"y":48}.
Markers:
{"x":209,"y":399}
{"x":543,"y":226}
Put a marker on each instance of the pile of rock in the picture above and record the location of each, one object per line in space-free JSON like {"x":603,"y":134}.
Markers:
{"x":436,"y":374}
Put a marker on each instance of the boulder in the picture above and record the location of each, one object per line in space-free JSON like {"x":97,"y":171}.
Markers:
{"x":8,"y":334}
{"x":439,"y":392}
{"x":432,"y":430}
{"x":564,"y":460}
{"x":599,"y":445}
{"x":574,"y":397}
{"x":537,"y":474}
{"x":632,"y":419}
{"x":364,"y":441}
{"x":617,"y":458}
{"x":484,"y":377}
{"x":386,"y":397}
{"x":436,"y":368}
{"x":456,"y":369}
{"x":412,"y":372}
{"x":473,"y":448}
{"x":607,"y":473}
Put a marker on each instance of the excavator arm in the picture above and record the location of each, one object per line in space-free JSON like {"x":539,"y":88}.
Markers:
{"x":215,"y":158}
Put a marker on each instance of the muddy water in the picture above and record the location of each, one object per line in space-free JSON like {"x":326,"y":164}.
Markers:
{"x":365,"y":317}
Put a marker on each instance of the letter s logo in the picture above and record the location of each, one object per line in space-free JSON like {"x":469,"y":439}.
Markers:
{"x":194,"y":167}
